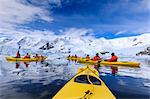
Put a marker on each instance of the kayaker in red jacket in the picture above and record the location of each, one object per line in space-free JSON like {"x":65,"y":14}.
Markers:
{"x":113,"y":58}
{"x":18,"y":55}
{"x":27,"y":56}
{"x":36,"y":56}
{"x":87,"y":57}
{"x":97,"y":57}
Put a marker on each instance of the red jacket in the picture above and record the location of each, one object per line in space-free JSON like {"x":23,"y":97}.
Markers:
{"x":113,"y":59}
{"x":18,"y":55}
{"x":96,"y":58}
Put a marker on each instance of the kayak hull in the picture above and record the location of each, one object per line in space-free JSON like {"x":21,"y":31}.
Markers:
{"x":75,"y":90}
{"x":119,"y":63}
{"x":13,"y":59}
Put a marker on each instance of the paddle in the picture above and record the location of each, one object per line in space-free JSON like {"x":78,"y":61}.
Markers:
{"x":19,"y":47}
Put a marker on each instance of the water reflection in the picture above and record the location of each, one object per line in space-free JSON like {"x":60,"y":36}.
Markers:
{"x":31,"y":89}
{"x":47,"y":87}
{"x":42,"y":80}
{"x":26,"y":64}
{"x":114,"y":69}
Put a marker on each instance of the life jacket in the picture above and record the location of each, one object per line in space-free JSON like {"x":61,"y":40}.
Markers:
{"x":87,"y":58}
{"x":96,"y":58}
{"x":113,"y":59}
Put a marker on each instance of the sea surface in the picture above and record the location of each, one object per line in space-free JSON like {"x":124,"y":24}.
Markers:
{"x":42,"y":80}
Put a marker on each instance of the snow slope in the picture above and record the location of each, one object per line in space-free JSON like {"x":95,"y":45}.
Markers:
{"x":80,"y":45}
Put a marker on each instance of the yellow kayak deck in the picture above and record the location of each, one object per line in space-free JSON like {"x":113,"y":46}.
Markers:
{"x":13,"y":59}
{"x":118,"y":63}
{"x":86,"y":84}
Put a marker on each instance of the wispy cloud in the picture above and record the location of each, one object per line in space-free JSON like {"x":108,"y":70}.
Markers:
{"x":74,"y":32}
{"x":15,"y":12}
{"x":121,"y":32}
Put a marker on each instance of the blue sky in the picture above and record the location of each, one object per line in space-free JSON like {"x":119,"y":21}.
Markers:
{"x":106,"y":18}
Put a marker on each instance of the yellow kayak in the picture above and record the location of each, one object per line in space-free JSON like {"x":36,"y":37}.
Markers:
{"x":118,"y":63}
{"x":14,"y":59}
{"x":86,"y":84}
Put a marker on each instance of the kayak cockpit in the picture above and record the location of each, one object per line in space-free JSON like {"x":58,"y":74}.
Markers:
{"x":84,"y":79}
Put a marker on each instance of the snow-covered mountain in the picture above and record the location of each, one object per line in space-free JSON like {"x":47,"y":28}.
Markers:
{"x":80,"y":45}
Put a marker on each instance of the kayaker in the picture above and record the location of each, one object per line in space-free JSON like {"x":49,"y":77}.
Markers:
{"x":18,"y":55}
{"x":27,"y":56}
{"x":96,"y":57}
{"x":87,"y":57}
{"x":36,"y":56}
{"x":113,"y":58}
{"x":75,"y":56}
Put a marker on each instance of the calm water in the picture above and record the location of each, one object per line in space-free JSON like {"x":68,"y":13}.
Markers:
{"x":44,"y":80}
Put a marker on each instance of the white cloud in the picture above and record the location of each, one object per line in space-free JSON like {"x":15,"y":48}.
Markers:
{"x":121,"y":32}
{"x":14,"y":12}
{"x":77,"y":32}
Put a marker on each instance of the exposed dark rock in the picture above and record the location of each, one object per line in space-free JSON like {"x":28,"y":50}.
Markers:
{"x":148,"y":48}
{"x":145,"y":52}
{"x":137,"y":43}
{"x":22,"y":41}
{"x":47,"y":46}
{"x":134,"y":39}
